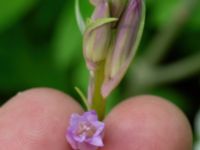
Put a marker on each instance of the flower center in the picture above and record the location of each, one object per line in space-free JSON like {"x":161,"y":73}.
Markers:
{"x":86,"y":128}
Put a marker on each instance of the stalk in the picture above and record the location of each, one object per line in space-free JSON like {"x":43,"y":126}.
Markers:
{"x":98,"y":102}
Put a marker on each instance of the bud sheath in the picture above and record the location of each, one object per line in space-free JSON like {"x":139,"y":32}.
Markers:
{"x":96,"y":41}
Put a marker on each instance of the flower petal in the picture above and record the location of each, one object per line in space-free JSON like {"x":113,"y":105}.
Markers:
{"x":97,"y":141}
{"x":91,"y":116}
{"x":71,"y":142}
{"x":100,"y":128}
{"x":74,"y":120}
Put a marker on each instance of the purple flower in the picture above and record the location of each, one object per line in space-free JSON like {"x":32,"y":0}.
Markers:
{"x":85,"y":132}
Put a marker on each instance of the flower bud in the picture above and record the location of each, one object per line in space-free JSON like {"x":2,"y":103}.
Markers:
{"x":96,"y":41}
{"x":127,"y":39}
{"x":117,"y":7}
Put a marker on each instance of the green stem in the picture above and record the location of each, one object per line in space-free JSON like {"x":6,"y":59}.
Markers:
{"x":98,"y":102}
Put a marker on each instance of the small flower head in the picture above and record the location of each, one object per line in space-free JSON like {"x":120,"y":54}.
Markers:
{"x":85,"y":132}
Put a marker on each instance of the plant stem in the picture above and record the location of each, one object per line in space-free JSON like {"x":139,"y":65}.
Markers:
{"x":98,"y":102}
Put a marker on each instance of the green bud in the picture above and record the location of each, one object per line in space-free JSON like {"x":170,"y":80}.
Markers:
{"x":97,"y":36}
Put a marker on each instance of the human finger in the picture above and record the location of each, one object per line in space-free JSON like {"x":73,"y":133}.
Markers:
{"x":36,"y":120}
{"x":147,"y":122}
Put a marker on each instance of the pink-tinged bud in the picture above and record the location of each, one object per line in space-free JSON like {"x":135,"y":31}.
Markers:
{"x":117,"y":7}
{"x":96,"y":41}
{"x":128,"y":35}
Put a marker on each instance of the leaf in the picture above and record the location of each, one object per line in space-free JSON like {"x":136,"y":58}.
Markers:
{"x":113,"y":100}
{"x":83,"y":98}
{"x":67,"y":39}
{"x":162,"y":11}
{"x":12,"y":10}
{"x":79,"y":17}
{"x":81,"y":75}
{"x":194,"y":20}
{"x":19,"y":67}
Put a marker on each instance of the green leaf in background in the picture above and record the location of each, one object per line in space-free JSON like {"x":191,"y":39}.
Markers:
{"x":67,"y":39}
{"x":163,"y":10}
{"x":194,"y":21}
{"x":23,"y":66}
{"x":80,"y":76}
{"x":13,"y":10}
{"x":67,"y":42}
{"x":113,"y":100}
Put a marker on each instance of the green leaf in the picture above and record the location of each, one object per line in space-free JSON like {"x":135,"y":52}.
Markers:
{"x":162,"y":11}
{"x":67,"y":39}
{"x":81,"y":75}
{"x":113,"y":100}
{"x":194,"y":20}
{"x":12,"y":10}
{"x":83,"y":98}
{"x":79,"y":17}
{"x":22,"y":68}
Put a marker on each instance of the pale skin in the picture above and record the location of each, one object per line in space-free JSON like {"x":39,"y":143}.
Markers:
{"x":37,"y":120}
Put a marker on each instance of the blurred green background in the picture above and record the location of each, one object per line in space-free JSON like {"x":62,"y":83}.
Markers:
{"x":40,"y":45}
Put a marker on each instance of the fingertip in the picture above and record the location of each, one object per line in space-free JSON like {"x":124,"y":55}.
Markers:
{"x":40,"y":95}
{"x":147,"y":122}
{"x":36,"y":118}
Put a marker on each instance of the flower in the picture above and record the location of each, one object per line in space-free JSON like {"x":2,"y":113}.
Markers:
{"x":85,"y":132}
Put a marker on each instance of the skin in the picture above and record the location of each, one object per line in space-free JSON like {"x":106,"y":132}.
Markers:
{"x":38,"y":118}
{"x":147,"y":123}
